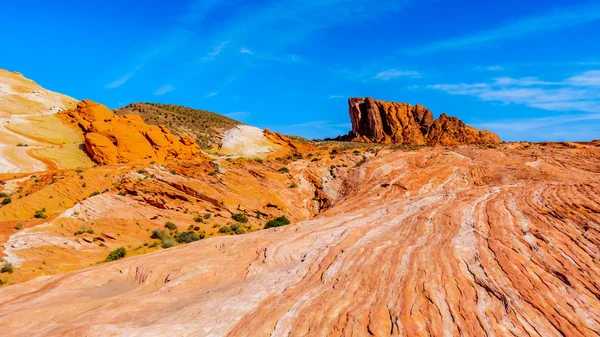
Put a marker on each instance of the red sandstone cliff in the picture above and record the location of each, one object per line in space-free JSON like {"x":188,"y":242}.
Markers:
{"x":401,"y":123}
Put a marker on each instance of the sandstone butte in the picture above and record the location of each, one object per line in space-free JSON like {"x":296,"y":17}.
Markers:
{"x":400,"y":123}
{"x":113,"y":139}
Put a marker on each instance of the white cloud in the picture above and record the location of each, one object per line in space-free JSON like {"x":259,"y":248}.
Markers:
{"x":212,"y":94}
{"x":336,"y":96}
{"x":557,"y":19}
{"x":495,"y":68}
{"x":216,"y":51}
{"x":246,"y":51}
{"x":120,"y":81}
{"x":239,"y":115}
{"x":577,"y":93}
{"x":589,"y":78}
{"x":164,"y":90}
{"x":393,"y":73}
{"x":534,"y":123}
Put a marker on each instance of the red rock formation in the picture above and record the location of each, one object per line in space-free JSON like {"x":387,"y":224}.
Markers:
{"x":127,"y":139}
{"x":401,"y":123}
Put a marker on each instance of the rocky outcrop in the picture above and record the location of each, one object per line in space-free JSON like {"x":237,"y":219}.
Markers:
{"x":400,"y":123}
{"x":126,"y":139}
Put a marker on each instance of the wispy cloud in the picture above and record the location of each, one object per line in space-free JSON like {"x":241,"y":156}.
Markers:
{"x":577,"y":93}
{"x":211,"y":56}
{"x":239,"y":115}
{"x":246,"y":51}
{"x":167,"y":88}
{"x":120,"y":81}
{"x":557,"y":19}
{"x":212,"y":94}
{"x":534,"y":123}
{"x":495,"y":68}
{"x":322,"y":124}
{"x":336,"y":96}
{"x":390,"y":74}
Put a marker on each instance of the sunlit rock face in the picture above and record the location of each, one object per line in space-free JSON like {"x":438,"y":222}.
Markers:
{"x":400,"y":123}
{"x":436,"y":242}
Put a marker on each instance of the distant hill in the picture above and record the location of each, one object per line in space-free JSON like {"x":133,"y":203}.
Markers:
{"x":207,"y":127}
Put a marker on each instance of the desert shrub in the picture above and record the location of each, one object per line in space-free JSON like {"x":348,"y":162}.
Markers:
{"x":79,"y":170}
{"x":198,"y":218}
{"x":224,"y":230}
{"x":170,"y":225}
{"x":284,"y":170}
{"x":240,"y":217}
{"x":116,"y":254}
{"x":95,"y":193}
{"x":237,"y":229}
{"x":84,"y":229}
{"x":6,"y":201}
{"x":173,"y":172}
{"x":361,"y":162}
{"x":154,"y":244}
{"x":142,"y":171}
{"x":356,"y":152}
{"x":158,"y":234}
{"x":315,"y":159}
{"x":278,"y":222}
{"x":293,"y":185}
{"x":7,"y":268}
{"x":19,"y":226}
{"x":40,"y":214}
{"x":187,"y":237}
{"x":207,"y":216}
{"x":168,"y":243}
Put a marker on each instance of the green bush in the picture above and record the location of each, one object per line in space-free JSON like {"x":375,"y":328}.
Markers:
{"x":284,"y":170}
{"x":7,"y":268}
{"x":95,"y":193}
{"x":171,"y":225}
{"x":240,"y":217}
{"x":6,"y":201}
{"x":224,"y":230}
{"x":198,"y":218}
{"x":40,"y":214}
{"x":237,"y":229}
{"x":167,"y":243}
{"x":278,"y":222}
{"x":158,"y":234}
{"x":293,"y":185}
{"x":116,"y":254}
{"x":187,"y":237}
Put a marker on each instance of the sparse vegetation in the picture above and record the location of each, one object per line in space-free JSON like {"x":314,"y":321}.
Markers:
{"x":40,"y":214}
{"x":7,"y":268}
{"x":19,"y":144}
{"x":207,"y":127}
{"x":19,"y":226}
{"x":173,"y":172}
{"x":6,"y":201}
{"x":170,"y":225}
{"x":240,"y":217}
{"x":361,"y":162}
{"x":235,"y":228}
{"x":168,"y":243}
{"x":187,"y":237}
{"x":278,"y":222}
{"x":79,"y":170}
{"x":84,"y":229}
{"x":198,"y":218}
{"x":159,"y":234}
{"x":293,"y":185}
{"x":116,"y":254}
{"x":284,"y":170}
{"x":142,"y":171}
{"x":95,"y":193}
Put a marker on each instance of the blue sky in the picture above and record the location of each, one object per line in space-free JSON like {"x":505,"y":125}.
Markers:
{"x":528,"y":70}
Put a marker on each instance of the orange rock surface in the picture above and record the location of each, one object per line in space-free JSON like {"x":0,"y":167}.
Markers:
{"x":400,"y":123}
{"x":126,"y":139}
{"x":459,"y":241}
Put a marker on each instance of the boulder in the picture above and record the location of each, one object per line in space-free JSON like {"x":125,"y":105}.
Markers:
{"x":113,"y":139}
